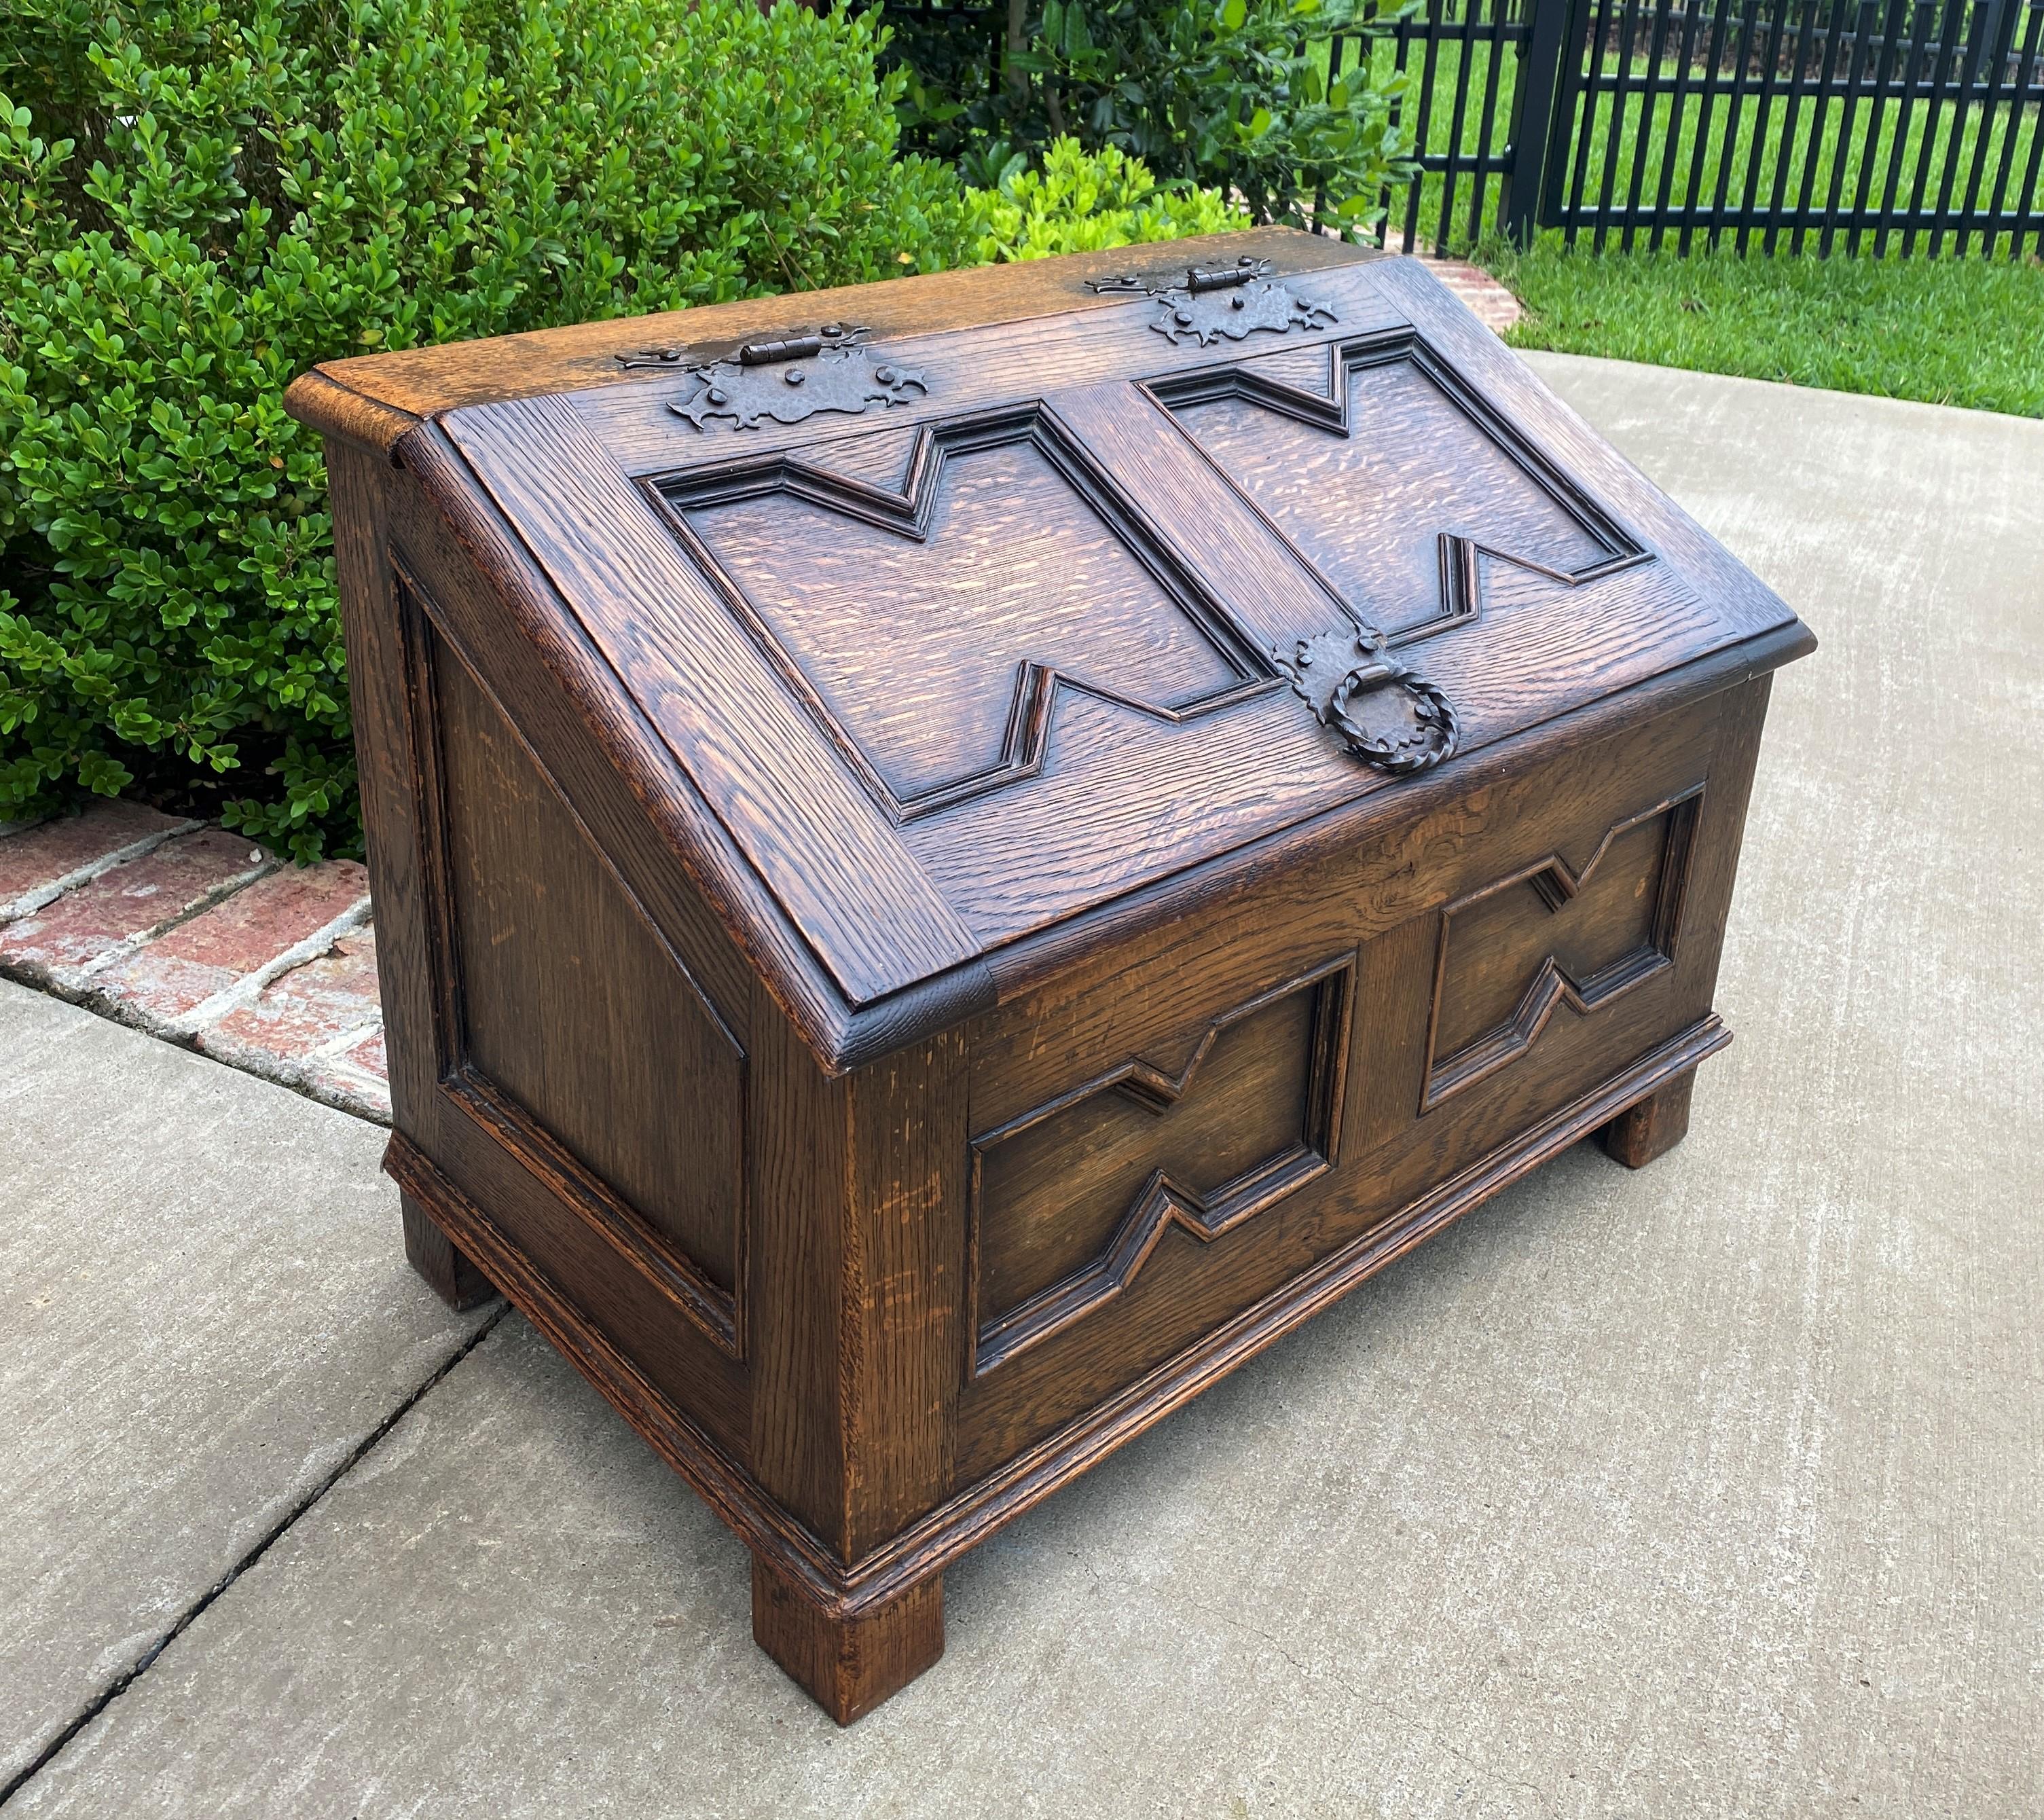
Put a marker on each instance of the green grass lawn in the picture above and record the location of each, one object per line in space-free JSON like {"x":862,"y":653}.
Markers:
{"x":1782,"y":156}
{"x":1966,"y":331}
{"x":1951,"y":332}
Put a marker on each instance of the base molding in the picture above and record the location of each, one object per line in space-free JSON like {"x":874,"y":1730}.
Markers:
{"x":843,"y":1593}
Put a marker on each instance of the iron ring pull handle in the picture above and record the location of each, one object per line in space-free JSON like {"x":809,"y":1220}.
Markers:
{"x":1384,"y":712}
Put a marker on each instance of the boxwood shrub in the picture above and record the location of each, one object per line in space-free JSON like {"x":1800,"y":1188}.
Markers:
{"x":1080,"y":201}
{"x":201,"y":198}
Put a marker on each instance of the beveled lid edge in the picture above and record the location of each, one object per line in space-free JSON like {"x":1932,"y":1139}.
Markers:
{"x":375,"y":398}
{"x":1032,"y":960}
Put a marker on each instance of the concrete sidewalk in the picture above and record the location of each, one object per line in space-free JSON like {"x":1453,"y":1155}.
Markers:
{"x":1716,"y":1489}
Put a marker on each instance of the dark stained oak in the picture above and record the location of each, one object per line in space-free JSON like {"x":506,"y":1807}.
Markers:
{"x":880,"y":966}
{"x":1651,"y":1128}
{"x":848,"y":1665}
{"x":1070,"y":1199}
{"x":644,"y":1078}
{"x":805,"y":825}
{"x":387,"y":394}
{"x":453,"y":1274}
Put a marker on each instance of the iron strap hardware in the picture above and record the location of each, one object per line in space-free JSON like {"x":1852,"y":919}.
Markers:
{"x":787,"y":377}
{"x":1207,"y":304}
{"x":670,"y":356}
{"x":1384,"y":712}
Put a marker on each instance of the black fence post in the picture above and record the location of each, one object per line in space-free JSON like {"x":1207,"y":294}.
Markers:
{"x":1534,"y":118}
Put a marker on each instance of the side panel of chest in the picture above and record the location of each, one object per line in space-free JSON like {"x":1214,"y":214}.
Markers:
{"x":1363,"y":1048}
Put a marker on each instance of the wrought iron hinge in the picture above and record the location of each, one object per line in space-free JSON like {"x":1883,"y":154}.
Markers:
{"x":787,"y":377}
{"x":1207,"y":304}
{"x":1384,"y":712}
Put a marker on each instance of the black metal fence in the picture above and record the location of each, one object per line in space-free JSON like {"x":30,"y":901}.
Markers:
{"x":1903,"y":124}
{"x":1892,"y":125}
{"x":1462,"y":62}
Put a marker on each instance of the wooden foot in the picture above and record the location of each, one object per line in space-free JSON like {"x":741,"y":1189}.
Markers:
{"x":848,"y":1666}
{"x":1653,"y":1126}
{"x":455,"y":1279}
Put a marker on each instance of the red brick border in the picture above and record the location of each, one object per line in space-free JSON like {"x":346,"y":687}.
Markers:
{"x":1494,"y":306}
{"x":197,"y":936}
{"x":190,"y":933}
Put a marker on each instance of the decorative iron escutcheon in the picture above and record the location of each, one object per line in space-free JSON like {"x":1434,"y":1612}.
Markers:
{"x":1384,"y":712}
{"x":789,"y":378}
{"x":1208,"y":304}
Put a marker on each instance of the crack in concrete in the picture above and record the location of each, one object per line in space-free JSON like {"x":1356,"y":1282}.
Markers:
{"x":198,"y":1609}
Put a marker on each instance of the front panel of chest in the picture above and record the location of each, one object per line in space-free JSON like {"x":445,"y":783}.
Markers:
{"x":1160,"y":1146}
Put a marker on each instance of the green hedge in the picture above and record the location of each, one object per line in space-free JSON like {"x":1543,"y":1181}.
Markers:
{"x":1233,"y":95}
{"x":1079,"y":201}
{"x":199,"y":199}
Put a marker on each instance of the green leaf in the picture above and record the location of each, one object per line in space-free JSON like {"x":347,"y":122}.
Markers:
{"x":274,"y":186}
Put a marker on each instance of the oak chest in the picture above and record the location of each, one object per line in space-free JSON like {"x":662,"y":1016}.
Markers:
{"x":953,"y":859}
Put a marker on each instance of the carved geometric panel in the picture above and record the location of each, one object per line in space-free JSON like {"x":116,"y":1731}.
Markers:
{"x":595,"y":1053}
{"x":1069,"y":1200}
{"x":932,"y":593}
{"x":1513,"y":953}
{"x":1393,"y":480}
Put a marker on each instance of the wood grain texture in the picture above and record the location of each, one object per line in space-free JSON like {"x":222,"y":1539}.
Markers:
{"x":1553,"y":935}
{"x":1652,"y":1127}
{"x":1376,"y":816}
{"x":932,"y":628}
{"x":966,"y":371}
{"x":382,"y":683}
{"x":858,"y":1267}
{"x":1388,"y":903}
{"x":1307,"y":906}
{"x":1070,"y":1199}
{"x":495,"y":608}
{"x":451,"y":1274}
{"x":906,"y":702}
{"x":569,"y":1011}
{"x":815,"y":838}
{"x":1750,"y":608}
{"x":848,"y":1665}
{"x":1109,"y":817}
{"x":341,"y":413}
{"x":992,"y":625}
{"x":418,"y":382}
{"x":883,"y":972}
{"x":1405,"y":544}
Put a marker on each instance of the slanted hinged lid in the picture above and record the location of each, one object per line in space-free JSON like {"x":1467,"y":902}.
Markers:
{"x":963,"y":634}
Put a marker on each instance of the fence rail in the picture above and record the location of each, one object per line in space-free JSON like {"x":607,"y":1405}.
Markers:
{"x":1874,"y":122}
{"x":1452,"y":55}
{"x":1901,"y":126}
{"x":1878,"y":123}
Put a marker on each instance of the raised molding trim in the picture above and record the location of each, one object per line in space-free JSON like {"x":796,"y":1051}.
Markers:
{"x":1161,"y":1202}
{"x":718,"y":1312}
{"x":976,"y":1511}
{"x":1556,"y":883}
{"x":906,"y":513}
{"x":1460,"y":558}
